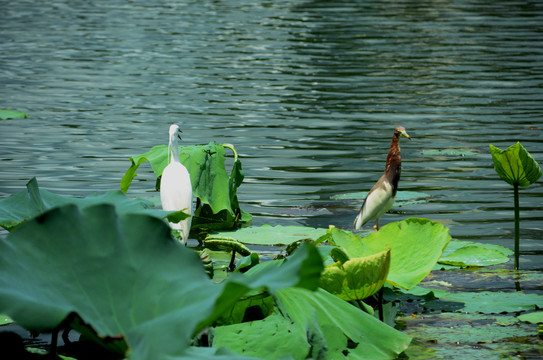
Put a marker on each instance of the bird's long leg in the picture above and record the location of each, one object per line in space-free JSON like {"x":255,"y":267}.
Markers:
{"x":376,"y":226}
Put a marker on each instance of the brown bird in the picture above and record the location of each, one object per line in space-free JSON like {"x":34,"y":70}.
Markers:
{"x":381,"y":196}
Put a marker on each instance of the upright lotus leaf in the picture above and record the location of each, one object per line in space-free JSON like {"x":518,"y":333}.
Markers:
{"x":415,"y":246}
{"x":517,"y":167}
{"x":34,"y":201}
{"x":216,"y":191}
{"x":357,"y":278}
{"x":123,"y":279}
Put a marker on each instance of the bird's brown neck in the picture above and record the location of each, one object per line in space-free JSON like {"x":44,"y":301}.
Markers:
{"x":393,"y":167}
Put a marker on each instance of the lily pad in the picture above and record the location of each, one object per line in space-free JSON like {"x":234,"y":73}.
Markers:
{"x":12,"y":114}
{"x":449,"y":152}
{"x":402,"y":197}
{"x":273,"y":235}
{"x":474,"y":256}
{"x":534,"y":317}
{"x":515,"y":165}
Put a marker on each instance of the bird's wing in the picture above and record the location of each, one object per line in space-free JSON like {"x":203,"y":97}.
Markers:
{"x":378,"y":201}
{"x":176,"y":188}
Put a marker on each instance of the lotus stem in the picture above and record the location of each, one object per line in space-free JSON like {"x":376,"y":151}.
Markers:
{"x":517,"y":227}
{"x":231,"y":147}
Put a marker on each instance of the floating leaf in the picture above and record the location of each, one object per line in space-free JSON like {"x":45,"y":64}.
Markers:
{"x":357,"y":278}
{"x":415,"y":246}
{"x":487,"y":302}
{"x":273,"y":235}
{"x":473,"y":255}
{"x":449,"y":152}
{"x":515,"y":165}
{"x":402,"y":197}
{"x":534,"y":317}
{"x":12,"y":114}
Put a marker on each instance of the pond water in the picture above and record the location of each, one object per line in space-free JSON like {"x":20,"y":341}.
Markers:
{"x":309,"y":92}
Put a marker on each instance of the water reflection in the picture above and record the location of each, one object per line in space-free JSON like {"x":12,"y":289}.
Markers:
{"x":308,"y":91}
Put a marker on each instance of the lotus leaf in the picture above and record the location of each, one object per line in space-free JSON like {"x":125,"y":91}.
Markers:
{"x":271,"y":338}
{"x":515,"y":165}
{"x":273,"y":235}
{"x":123,"y":279}
{"x":415,"y":246}
{"x":34,"y":201}
{"x":534,"y":317}
{"x":205,"y":163}
{"x":12,"y":114}
{"x":473,"y":255}
{"x":403,"y":197}
{"x":357,"y":278}
{"x":327,"y":329}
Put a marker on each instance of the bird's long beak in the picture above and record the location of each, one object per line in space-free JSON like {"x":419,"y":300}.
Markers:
{"x":405,"y":135}
{"x":179,"y":134}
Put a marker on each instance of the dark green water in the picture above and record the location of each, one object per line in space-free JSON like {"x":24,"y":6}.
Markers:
{"x":309,"y":92}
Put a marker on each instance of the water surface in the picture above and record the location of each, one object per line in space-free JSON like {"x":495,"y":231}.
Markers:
{"x":309,"y":92}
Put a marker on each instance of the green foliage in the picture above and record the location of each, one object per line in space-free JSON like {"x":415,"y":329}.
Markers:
{"x":415,"y":247}
{"x":273,"y":235}
{"x":515,"y":165}
{"x":34,"y":201}
{"x":357,"y":278}
{"x":12,"y":114}
{"x":122,"y":280}
{"x":216,"y":191}
{"x":323,"y":327}
{"x":533,"y":317}
{"x":467,"y":253}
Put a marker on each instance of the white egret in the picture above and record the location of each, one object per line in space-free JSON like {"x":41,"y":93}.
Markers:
{"x":175,"y":186}
{"x":381,"y":196}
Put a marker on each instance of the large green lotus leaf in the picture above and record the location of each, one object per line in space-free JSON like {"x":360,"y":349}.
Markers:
{"x":271,"y":338}
{"x":123,"y":280}
{"x":515,"y":165}
{"x":205,"y":163}
{"x":12,"y":114}
{"x":34,"y":201}
{"x":357,"y":278}
{"x":415,"y":246}
{"x":273,"y":235}
{"x":327,"y":321}
{"x":474,"y":256}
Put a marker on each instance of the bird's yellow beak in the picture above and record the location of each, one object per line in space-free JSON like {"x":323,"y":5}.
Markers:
{"x":405,"y":134}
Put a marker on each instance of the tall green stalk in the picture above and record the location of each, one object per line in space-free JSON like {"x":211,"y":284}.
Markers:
{"x":517,"y":227}
{"x":517,"y":167}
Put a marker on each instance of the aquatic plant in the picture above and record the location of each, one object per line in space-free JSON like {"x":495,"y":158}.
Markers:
{"x":518,"y":168}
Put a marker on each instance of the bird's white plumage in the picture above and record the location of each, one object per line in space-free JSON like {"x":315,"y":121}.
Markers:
{"x":378,"y":202}
{"x":175,"y":186}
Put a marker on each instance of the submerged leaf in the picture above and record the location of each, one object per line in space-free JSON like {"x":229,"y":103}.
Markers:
{"x":515,"y":165}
